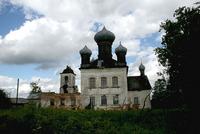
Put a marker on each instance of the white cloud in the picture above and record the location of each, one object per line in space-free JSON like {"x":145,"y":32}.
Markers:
{"x":9,"y":84}
{"x":53,"y":40}
{"x":65,"y":28}
{"x":149,"y":60}
{"x":47,"y":84}
{"x":42,"y":41}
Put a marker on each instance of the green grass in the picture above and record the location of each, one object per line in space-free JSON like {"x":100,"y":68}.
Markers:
{"x":34,"y":120}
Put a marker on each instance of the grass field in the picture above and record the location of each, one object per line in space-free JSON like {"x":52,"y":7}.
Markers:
{"x":30,"y":119}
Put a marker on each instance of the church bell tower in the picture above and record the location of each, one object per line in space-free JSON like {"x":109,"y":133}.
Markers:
{"x":67,"y":81}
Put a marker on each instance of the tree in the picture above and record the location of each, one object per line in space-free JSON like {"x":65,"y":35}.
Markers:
{"x":4,"y":100}
{"x":35,"y":88}
{"x":178,"y":54}
{"x":160,"y":95}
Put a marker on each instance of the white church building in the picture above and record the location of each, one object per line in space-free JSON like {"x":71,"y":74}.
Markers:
{"x":105,"y":83}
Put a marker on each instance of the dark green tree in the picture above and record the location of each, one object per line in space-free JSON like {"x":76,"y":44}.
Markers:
{"x":160,"y":93}
{"x":35,"y":88}
{"x":178,"y":54}
{"x":4,"y":100}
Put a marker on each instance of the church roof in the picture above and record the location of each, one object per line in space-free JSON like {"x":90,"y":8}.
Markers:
{"x":95,"y":64}
{"x":99,"y":64}
{"x":67,"y":70}
{"x":104,"y":35}
{"x":120,"y":48}
{"x":141,"y":67}
{"x":138,"y":83}
{"x":104,"y":39}
{"x":85,"y":50}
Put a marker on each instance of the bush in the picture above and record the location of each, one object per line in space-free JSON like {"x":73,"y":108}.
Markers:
{"x":4,"y":100}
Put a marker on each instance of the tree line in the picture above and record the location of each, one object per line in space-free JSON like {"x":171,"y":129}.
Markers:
{"x":178,"y":85}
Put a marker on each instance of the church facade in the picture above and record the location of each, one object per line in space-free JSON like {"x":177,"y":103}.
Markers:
{"x":105,"y":83}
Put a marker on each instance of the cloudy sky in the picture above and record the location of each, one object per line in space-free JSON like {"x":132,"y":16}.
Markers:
{"x":38,"y":38}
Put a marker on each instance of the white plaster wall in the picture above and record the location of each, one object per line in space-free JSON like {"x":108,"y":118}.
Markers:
{"x":141,"y":96}
{"x":45,"y":102}
{"x":110,"y":91}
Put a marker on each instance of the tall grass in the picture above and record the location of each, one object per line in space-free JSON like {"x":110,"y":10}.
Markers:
{"x":32,"y":120}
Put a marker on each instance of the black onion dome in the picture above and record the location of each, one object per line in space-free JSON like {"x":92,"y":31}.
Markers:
{"x":120,"y":49}
{"x":141,"y":67}
{"x":67,"y":70}
{"x":104,"y":35}
{"x":85,"y":50}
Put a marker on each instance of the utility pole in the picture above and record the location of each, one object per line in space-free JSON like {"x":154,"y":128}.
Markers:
{"x":17,"y":90}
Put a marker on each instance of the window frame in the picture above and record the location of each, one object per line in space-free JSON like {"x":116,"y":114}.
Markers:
{"x":104,"y":100}
{"x":104,"y":83}
{"x":115,"y":81}
{"x":66,"y":78}
{"x":92,"y":100}
{"x":116,"y":99}
{"x":136,"y":101}
{"x":92,"y":82}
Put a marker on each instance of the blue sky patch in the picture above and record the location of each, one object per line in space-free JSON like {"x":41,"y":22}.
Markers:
{"x":151,"y":40}
{"x":24,"y":71}
{"x":11,"y":18}
{"x":96,"y":27}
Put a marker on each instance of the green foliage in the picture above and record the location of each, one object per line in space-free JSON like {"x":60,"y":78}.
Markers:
{"x":4,"y":100}
{"x":35,"y":120}
{"x":162,"y":97}
{"x":178,"y":54}
{"x":35,"y":87}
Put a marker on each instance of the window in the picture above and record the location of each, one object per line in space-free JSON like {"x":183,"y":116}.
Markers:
{"x":103,"y":82}
{"x":66,"y":79}
{"x":92,"y":100}
{"x":115,"y":81}
{"x":62,"y":102}
{"x":92,"y":82}
{"x":103,"y":100}
{"x":73,"y":101}
{"x":116,"y":99}
{"x":52,"y":102}
{"x":136,"y":100}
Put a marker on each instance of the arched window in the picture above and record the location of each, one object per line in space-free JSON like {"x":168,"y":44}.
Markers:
{"x":92,"y":82}
{"x":115,"y":81}
{"x":103,"y":82}
{"x":66,"y":79}
{"x":103,"y":100}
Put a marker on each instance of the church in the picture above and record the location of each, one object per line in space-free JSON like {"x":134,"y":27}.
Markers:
{"x":105,"y":83}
